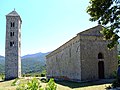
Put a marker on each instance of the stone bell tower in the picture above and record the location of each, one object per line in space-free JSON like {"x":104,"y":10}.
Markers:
{"x":13,"y":46}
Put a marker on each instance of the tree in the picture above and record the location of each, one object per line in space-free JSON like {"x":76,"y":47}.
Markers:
{"x":106,"y":13}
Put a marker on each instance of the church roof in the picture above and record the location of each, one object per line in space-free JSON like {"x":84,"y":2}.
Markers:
{"x":94,"y":31}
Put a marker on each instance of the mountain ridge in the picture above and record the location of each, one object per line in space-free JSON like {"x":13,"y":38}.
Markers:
{"x":29,"y":63}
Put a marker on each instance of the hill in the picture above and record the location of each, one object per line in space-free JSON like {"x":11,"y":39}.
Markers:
{"x":2,"y":64}
{"x":30,"y":63}
{"x":33,"y":62}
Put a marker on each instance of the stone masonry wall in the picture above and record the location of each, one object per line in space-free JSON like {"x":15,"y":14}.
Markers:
{"x":65,"y":62}
{"x":13,"y":53}
{"x":91,"y":46}
{"x":78,"y":58}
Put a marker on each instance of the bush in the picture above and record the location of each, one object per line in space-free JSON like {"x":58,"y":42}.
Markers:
{"x":114,"y":74}
{"x":2,"y":76}
{"x":42,"y":74}
{"x":44,"y":80}
{"x":51,"y":85}
{"x":33,"y":84}
{"x":14,"y":82}
{"x":116,"y":83}
{"x":37,"y":75}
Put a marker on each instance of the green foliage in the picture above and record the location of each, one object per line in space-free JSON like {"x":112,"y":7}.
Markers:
{"x":51,"y":85}
{"x":108,"y":87}
{"x":119,"y":59}
{"x":29,"y":64}
{"x":114,"y":74}
{"x":14,"y":82}
{"x":2,"y":76}
{"x":2,"y":64}
{"x":33,"y":84}
{"x":42,"y":75}
{"x":116,"y":82}
{"x":37,"y":74}
{"x":44,"y":80}
{"x":107,"y":13}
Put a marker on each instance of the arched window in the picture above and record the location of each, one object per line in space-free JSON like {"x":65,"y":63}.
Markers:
{"x":11,"y":34}
{"x":13,"y":24}
{"x":12,"y":44}
{"x":100,"y":56}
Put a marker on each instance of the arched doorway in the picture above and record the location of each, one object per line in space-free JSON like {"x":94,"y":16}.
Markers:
{"x":101,"y":69}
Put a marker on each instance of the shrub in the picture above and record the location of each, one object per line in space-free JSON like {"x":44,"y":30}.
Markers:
{"x":44,"y":80}
{"x":116,"y":83}
{"x":37,"y":75}
{"x":42,"y":74}
{"x":33,"y":84}
{"x":51,"y":85}
{"x":114,"y":75}
{"x":28,"y":75}
{"x":2,"y":76}
{"x":14,"y":82}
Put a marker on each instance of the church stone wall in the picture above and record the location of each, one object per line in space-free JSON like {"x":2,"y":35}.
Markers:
{"x":78,"y":58}
{"x":90,"y":47}
{"x":64,"y":62}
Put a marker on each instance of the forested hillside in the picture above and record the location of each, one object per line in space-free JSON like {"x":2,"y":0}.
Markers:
{"x":30,"y":63}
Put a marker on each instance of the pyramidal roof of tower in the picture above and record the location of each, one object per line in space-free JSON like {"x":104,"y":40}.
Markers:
{"x":13,"y":13}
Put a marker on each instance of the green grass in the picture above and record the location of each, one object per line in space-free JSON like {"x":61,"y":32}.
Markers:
{"x":6,"y":85}
{"x":63,"y":85}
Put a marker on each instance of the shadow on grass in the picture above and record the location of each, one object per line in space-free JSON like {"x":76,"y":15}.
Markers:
{"x":84,"y":84}
{"x":6,"y":80}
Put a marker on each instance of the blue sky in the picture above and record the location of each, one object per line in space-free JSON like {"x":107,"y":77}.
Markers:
{"x":46,"y":24}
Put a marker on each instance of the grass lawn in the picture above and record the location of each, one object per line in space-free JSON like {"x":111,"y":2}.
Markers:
{"x":63,"y":85}
{"x":6,"y":85}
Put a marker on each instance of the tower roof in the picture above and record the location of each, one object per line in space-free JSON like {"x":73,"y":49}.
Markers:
{"x":14,"y":13}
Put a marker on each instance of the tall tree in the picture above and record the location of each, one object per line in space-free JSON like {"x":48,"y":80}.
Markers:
{"x":106,"y":13}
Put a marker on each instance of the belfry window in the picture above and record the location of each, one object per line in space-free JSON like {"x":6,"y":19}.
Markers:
{"x":11,"y":34}
{"x":11,"y":44}
{"x":100,"y":56}
{"x":12,"y":24}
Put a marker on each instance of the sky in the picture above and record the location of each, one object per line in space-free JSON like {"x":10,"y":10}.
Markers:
{"x":46,"y":24}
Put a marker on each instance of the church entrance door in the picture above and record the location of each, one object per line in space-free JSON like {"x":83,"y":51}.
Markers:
{"x":101,"y":69}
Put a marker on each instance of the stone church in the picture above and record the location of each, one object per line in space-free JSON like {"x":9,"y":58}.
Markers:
{"x":83,"y":58}
{"x":13,"y":46}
